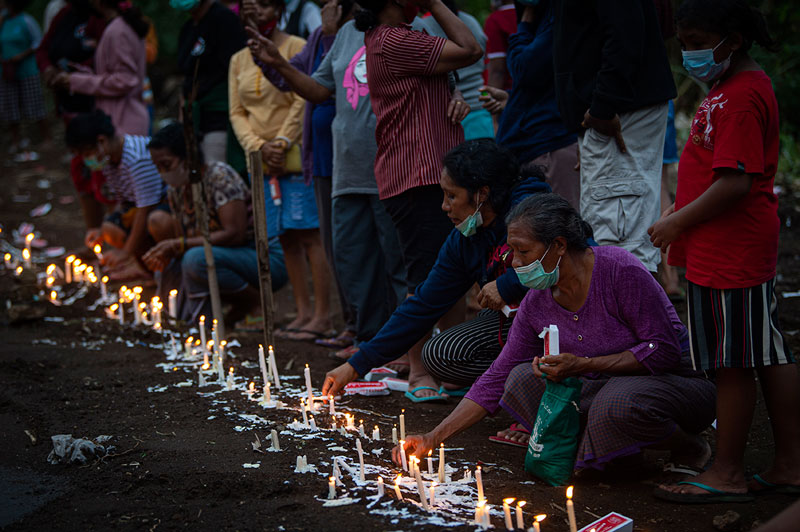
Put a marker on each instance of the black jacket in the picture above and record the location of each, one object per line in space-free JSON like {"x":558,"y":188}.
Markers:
{"x":609,"y":57}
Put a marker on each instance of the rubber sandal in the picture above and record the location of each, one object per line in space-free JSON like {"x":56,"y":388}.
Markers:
{"x":344,"y":340}
{"x":343,"y":355}
{"x":506,"y":441}
{"x":460,"y":392}
{"x":682,"y":469}
{"x":767,"y":487}
{"x":713,"y":496}
{"x":431,"y":399}
{"x":517,"y":427}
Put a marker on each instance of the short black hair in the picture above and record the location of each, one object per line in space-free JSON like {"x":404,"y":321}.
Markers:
{"x":172,"y":139}
{"x":83,"y":130}
{"x":724,"y":17}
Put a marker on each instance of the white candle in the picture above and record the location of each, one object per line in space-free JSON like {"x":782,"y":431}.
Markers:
{"x":331,"y":488}
{"x":18,"y":271}
{"x":68,"y":268}
{"x":275,"y":444}
{"x":403,"y":424}
{"x":251,"y":389}
{"x":441,"y":464}
{"x":538,"y":519}
{"x":267,"y":397}
{"x":172,"y":303}
{"x":28,"y":240}
{"x":26,"y":257}
{"x":573,"y":526}
{"x":309,"y":391}
{"x":220,"y":370}
{"x":376,"y":434}
{"x":420,"y":486}
{"x":361,"y":429}
{"x":187,"y":347}
{"x":262,"y":364}
{"x":54,"y":298}
{"x":173,"y":346}
{"x":274,"y":366}
{"x":520,"y":520}
{"x":331,"y":407}
{"x":403,"y":461}
{"x":305,"y":412}
{"x":412,"y":464}
{"x":333,"y":424}
{"x":104,"y":288}
{"x":380,"y":487}
{"x":479,"y":513}
{"x":360,"y":460}
{"x":351,"y":424}
{"x":111,"y":312}
{"x":222,"y":345}
{"x":201,"y":324}
{"x":121,"y":312}
{"x":507,"y":512}
{"x":430,"y":462}
{"x":201,"y":379}
{"x":394,"y":435}
{"x":7,"y":260}
{"x":214,"y":332}
{"x":432,"y":500}
{"x":397,"y":488}
{"x":486,"y":518}
{"x":230,"y":382}
{"x":479,"y":481}
{"x":312,"y":423}
{"x":155,"y":309}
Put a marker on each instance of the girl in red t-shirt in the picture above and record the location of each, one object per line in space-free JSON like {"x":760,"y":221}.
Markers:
{"x":723,"y":229}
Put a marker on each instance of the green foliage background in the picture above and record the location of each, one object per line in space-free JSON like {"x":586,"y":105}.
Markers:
{"x":783,"y":17}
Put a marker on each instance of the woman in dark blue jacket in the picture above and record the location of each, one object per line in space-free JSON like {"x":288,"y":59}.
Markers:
{"x":481,"y":182}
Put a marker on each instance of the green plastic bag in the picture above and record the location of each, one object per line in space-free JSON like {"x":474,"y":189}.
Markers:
{"x":554,"y":440}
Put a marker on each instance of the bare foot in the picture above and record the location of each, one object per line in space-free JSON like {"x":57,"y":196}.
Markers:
{"x":313,"y":329}
{"x":296,"y":323}
{"x":515,"y":436}
{"x":400,"y":365}
{"x":423,"y":379}
{"x":729,"y":482}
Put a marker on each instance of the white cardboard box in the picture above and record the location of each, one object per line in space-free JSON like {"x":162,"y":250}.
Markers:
{"x":612,"y":522}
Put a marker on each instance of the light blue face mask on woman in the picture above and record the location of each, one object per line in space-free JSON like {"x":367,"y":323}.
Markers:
{"x":534,"y":277}
{"x":701,"y":66}
{"x":471,"y":223}
{"x":184,"y":5}
{"x":94,"y":164}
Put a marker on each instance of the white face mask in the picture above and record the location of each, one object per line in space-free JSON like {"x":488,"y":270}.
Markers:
{"x":177,"y":177}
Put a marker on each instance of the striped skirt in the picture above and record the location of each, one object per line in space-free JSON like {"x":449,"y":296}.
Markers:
{"x":735,"y":328}
{"x":462,"y":353}
{"x":620,"y":415}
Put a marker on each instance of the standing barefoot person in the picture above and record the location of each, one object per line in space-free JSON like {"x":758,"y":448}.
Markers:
{"x":724,"y":230}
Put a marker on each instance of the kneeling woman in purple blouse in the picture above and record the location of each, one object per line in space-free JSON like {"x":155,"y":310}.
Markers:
{"x":619,"y":334}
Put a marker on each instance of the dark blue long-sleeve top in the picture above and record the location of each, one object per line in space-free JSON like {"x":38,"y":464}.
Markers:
{"x":462,"y":261}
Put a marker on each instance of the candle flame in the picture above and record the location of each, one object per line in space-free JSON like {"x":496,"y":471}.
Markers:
{"x":190,"y":340}
{"x":173,"y":292}
{"x":223,"y":343}
{"x":541,"y":517}
{"x":104,"y":279}
{"x":214,"y":322}
{"x":397,"y":479}
{"x":26,"y":254}
{"x":441,"y":445}
{"x":331,"y":480}
{"x":569,"y":492}
{"x":29,"y":238}
{"x":97,"y":249}
{"x":509,"y":500}
{"x":114,"y":307}
{"x":202,"y":319}
{"x":481,"y":503}
{"x":197,"y":343}
{"x":175,"y":368}
{"x":520,"y":504}
{"x":19,"y":270}
{"x":270,"y":348}
{"x":76,"y":262}
{"x":50,"y":281}
{"x":51,"y":268}
{"x":210,"y":344}
{"x":137,"y":289}
{"x":430,"y":452}
{"x":205,"y":366}
{"x":7,"y":256}
{"x":53,"y":294}
{"x":231,"y":370}
{"x":252,"y":386}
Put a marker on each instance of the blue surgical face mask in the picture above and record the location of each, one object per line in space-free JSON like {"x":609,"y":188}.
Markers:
{"x":94,"y":164}
{"x":184,"y":5}
{"x":701,"y":66}
{"x":534,"y":277}
{"x":471,"y":223}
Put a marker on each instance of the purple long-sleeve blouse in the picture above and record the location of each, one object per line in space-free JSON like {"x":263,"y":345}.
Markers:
{"x":626,"y":310}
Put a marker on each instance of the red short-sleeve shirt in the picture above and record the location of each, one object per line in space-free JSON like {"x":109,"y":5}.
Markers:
{"x":735,"y":127}
{"x":410,"y":102}
{"x":499,"y":26}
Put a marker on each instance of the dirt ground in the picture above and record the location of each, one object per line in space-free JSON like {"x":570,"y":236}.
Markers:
{"x":180,"y":450}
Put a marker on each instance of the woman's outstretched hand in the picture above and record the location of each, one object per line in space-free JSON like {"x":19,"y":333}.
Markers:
{"x":337,"y":379}
{"x":416,"y":445}
{"x":262,"y":48}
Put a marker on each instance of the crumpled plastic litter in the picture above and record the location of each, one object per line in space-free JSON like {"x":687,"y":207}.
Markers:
{"x":69,"y":450}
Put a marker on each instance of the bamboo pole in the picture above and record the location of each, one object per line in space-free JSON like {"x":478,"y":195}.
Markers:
{"x":262,"y":244}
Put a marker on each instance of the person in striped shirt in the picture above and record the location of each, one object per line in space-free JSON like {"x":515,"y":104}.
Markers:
{"x":134,"y":183}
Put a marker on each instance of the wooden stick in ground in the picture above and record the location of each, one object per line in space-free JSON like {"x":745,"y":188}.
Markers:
{"x":262,"y":244}
{"x":201,"y":215}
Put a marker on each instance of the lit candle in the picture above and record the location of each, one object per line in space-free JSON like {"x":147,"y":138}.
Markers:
{"x":187,"y":347}
{"x":507,"y":512}
{"x":361,"y":429}
{"x":220,"y":370}
{"x":18,"y":271}
{"x":54,"y":298}
{"x":351,"y":423}
{"x":479,"y":481}
{"x":333,"y":424}
{"x":274,"y":366}
{"x":420,"y":486}
{"x":520,"y":520}
{"x":251,"y":389}
{"x":394,"y":435}
{"x":305,"y":412}
{"x":573,"y":526}
{"x":98,"y":251}
{"x":331,"y":407}
{"x":331,"y":488}
{"x":397,"y":488}
{"x":309,"y":391}
{"x":76,"y":264}
{"x":403,"y":461}
{"x":430,"y":462}
{"x":403,"y":424}
{"x":336,"y":472}
{"x":360,"y":460}
{"x":8,"y":263}
{"x":28,"y":240}
{"x":26,"y":257}
{"x":104,"y":288}
{"x":441,"y":463}
{"x":274,"y":435}
{"x":479,"y":513}
{"x":214,"y":332}
{"x":209,"y":349}
{"x":201,"y":324}
{"x":50,"y":281}
{"x":412,"y":464}
{"x":486,"y":518}
{"x":262,"y":363}
{"x":380,"y":487}
{"x":432,"y":500}
{"x":155,"y":309}
{"x":173,"y":304}
{"x":267,"y":397}
{"x":376,"y":433}
{"x":536,"y":520}
{"x":230,"y":377}
{"x":112,"y":311}
{"x":222,"y":346}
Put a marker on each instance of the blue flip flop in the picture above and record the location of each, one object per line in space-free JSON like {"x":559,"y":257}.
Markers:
{"x":769,"y":487}
{"x":433,"y":398}
{"x":713,"y":496}
{"x":461,"y":392}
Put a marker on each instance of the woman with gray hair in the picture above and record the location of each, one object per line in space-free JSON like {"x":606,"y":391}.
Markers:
{"x":619,"y":335}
